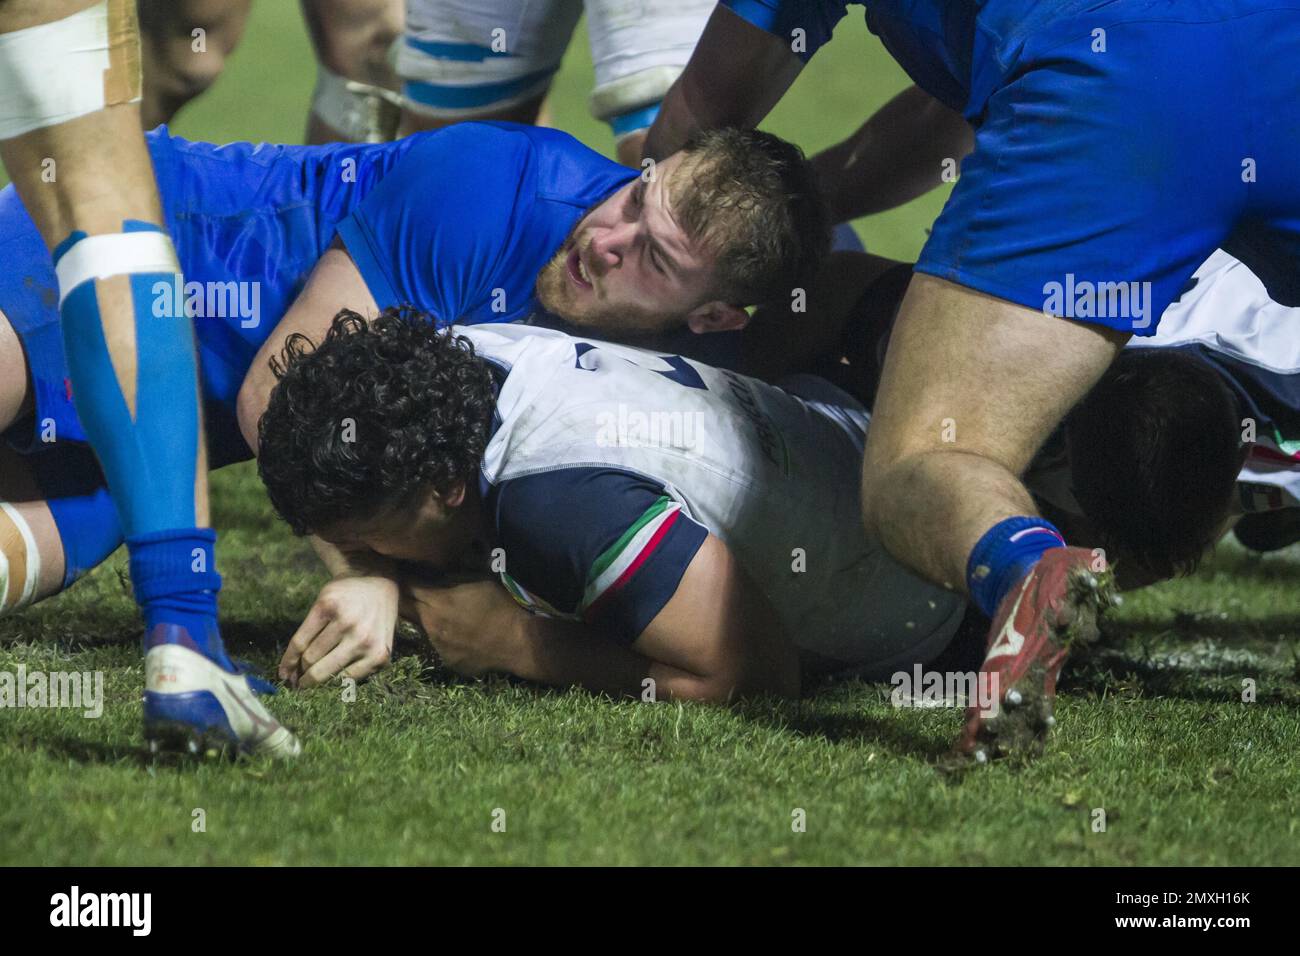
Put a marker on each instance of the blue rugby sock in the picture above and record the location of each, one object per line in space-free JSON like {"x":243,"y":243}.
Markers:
{"x":1004,"y":555}
{"x":150,"y":458}
{"x":175,"y":584}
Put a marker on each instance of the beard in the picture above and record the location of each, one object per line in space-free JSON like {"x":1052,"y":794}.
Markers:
{"x":585,"y":309}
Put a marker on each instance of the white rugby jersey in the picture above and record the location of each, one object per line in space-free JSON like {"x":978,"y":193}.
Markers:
{"x":609,"y":464}
{"x":1228,"y":319}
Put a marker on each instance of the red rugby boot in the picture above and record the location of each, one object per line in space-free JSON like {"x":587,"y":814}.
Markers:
{"x":1055,"y":606}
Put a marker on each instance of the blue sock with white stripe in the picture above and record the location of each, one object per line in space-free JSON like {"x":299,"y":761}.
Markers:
{"x":1004,"y":555}
{"x":150,"y":456}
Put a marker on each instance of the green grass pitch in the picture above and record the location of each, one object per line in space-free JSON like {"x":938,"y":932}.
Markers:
{"x":1153,"y":731}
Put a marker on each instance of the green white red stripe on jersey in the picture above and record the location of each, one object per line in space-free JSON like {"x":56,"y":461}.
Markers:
{"x":618,"y":563}
{"x":532,"y":602}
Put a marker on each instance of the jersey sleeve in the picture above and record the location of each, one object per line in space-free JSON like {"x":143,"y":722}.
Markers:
{"x":817,"y":18}
{"x":434,"y":231}
{"x":605,"y":546}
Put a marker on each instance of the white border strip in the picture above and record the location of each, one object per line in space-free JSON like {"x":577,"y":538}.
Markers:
{"x":53,"y":72}
{"x":33,"y":560}
{"x":115,"y":254}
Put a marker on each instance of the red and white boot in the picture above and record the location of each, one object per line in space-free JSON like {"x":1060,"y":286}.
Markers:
{"x":1055,"y":606}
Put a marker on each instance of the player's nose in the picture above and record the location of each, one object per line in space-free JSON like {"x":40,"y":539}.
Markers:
{"x":608,"y":246}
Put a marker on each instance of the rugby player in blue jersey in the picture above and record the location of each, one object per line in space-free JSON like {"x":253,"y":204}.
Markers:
{"x":1117,"y":144}
{"x":273,"y":240}
{"x":70,"y":92}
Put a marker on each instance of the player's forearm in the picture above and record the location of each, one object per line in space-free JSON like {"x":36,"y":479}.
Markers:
{"x":734,"y":78}
{"x":565,"y":654}
{"x":334,"y":284}
{"x":903,"y":151}
{"x":353,"y":565}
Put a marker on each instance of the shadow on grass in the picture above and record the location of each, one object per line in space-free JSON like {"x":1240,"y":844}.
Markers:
{"x":801,"y":718}
{"x":1230,"y":630}
{"x":891,"y":733}
{"x":86,"y":751}
{"x":1134,"y":668}
{"x":262,"y":638}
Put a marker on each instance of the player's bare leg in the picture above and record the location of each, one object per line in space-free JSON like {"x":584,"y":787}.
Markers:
{"x":31,"y":551}
{"x":972,"y":386}
{"x":31,"y":554}
{"x":77,"y":158}
{"x":185,"y":44}
{"x":356,"y":97}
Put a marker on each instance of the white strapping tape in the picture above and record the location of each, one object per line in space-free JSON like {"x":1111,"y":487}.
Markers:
{"x":33,"y":560}
{"x":53,"y":72}
{"x":115,"y":254}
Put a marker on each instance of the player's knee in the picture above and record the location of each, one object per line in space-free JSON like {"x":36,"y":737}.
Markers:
{"x":15,"y":395}
{"x":174,"y":75}
{"x":881,"y":472}
{"x":355,"y":98}
{"x":353,"y":38}
{"x":20,"y":560}
{"x":185,"y":46}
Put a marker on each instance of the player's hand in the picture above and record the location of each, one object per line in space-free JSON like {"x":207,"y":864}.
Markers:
{"x":348,"y":631}
{"x":470,"y":622}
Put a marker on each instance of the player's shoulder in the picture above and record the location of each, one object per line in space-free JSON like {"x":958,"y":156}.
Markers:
{"x":568,"y":170}
{"x":578,"y":507}
{"x":606,"y":544}
{"x":505,"y":343}
{"x":502,"y":135}
{"x":467,"y":154}
{"x":558,"y":163}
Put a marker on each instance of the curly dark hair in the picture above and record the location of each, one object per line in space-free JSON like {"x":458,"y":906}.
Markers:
{"x":1155,"y":450}
{"x":755,"y":202}
{"x":375,"y":414}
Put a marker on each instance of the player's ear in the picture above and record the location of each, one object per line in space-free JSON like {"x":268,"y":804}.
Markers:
{"x":455,"y":496}
{"x":717,"y":317}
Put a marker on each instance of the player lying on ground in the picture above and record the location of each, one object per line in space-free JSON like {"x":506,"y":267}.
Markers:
{"x":495,"y":59}
{"x":70,"y":138}
{"x":662,"y":519}
{"x":675,"y":422}
{"x":491,"y":222}
{"x":461,"y":220}
{"x":1187,"y":433}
